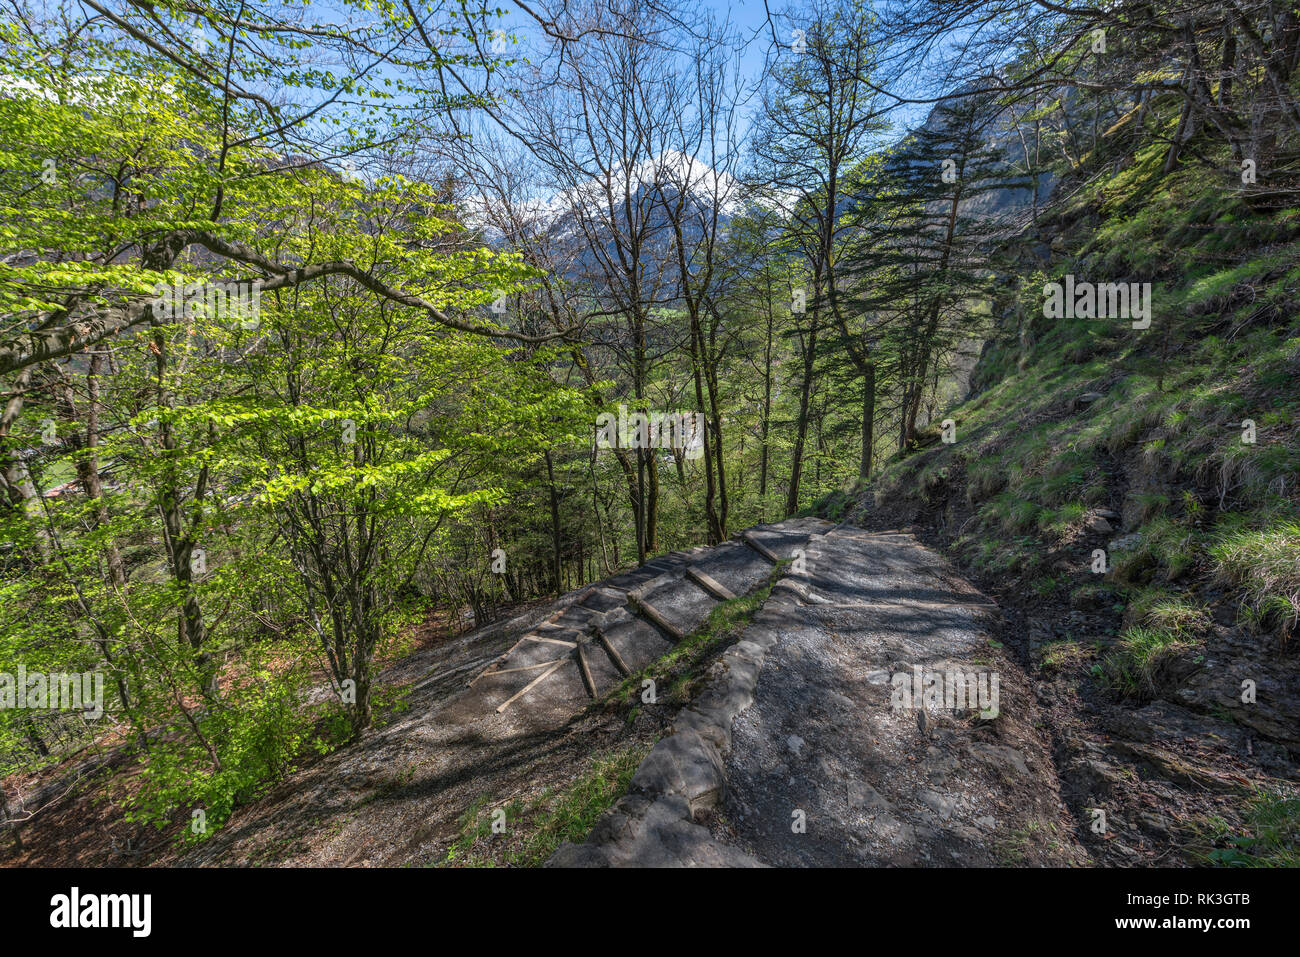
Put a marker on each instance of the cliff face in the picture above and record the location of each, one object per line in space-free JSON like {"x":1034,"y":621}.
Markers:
{"x":1015,"y":136}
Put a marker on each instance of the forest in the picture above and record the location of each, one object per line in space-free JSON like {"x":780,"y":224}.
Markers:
{"x":326,"y":326}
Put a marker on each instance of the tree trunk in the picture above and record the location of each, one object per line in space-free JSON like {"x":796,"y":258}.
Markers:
{"x":868,"y":422}
{"x":555,"y":523}
{"x":801,"y":425}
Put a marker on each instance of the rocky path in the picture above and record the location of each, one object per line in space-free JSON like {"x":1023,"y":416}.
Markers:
{"x":618,"y":626}
{"x":797,"y":752}
{"x":813,"y":745}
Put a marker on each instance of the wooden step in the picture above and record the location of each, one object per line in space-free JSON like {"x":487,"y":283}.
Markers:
{"x":511,"y":671}
{"x":585,"y":669}
{"x":655,"y":617}
{"x":551,"y":641}
{"x":529,"y":687}
{"x":709,"y":584}
{"x":759,"y":547}
{"x":614,"y":656}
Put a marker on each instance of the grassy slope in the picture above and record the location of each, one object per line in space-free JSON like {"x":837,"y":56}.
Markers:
{"x":1208,"y":526}
{"x":1163,"y":446}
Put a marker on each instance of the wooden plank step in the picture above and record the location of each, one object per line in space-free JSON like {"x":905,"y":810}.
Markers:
{"x":614,"y":656}
{"x":551,"y":641}
{"x":759,"y":547}
{"x":530,"y":686}
{"x":655,"y":617}
{"x":585,"y":669}
{"x":511,"y":671}
{"x":709,"y":584}
{"x":547,"y":622}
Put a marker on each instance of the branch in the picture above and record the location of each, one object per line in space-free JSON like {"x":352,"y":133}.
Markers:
{"x":87,"y":323}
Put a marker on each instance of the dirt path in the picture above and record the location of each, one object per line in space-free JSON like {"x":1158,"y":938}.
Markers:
{"x":810,"y":754}
{"x":794,"y":754}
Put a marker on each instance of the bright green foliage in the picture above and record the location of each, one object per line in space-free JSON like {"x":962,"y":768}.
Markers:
{"x":220,"y":511}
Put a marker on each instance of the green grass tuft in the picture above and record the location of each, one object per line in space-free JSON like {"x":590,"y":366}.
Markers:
{"x":1265,"y":564}
{"x":1272,"y":837}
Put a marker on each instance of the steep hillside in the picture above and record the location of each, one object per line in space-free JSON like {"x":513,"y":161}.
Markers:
{"x":1132,"y":497}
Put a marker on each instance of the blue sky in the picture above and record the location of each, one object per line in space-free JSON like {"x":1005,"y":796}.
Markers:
{"x":750,"y":17}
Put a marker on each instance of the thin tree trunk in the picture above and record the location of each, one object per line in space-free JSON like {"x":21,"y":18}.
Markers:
{"x":868,"y":422}
{"x":801,"y":426}
{"x":555,"y":523}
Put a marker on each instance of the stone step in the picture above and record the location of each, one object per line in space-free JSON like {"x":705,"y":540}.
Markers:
{"x":621,"y":624}
{"x":735,"y":566}
{"x":604,"y":670}
{"x":653,"y":615}
{"x":678,"y":606}
{"x":709,"y":584}
{"x":759,"y":547}
{"x":883,"y":783}
{"x":637,"y":642}
{"x":613,"y":653}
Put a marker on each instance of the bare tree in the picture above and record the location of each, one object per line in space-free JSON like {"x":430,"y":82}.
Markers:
{"x":819,"y":119}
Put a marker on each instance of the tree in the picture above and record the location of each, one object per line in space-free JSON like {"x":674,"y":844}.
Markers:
{"x":817,"y":125}
{"x":190,"y":291}
{"x":927,"y":252}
